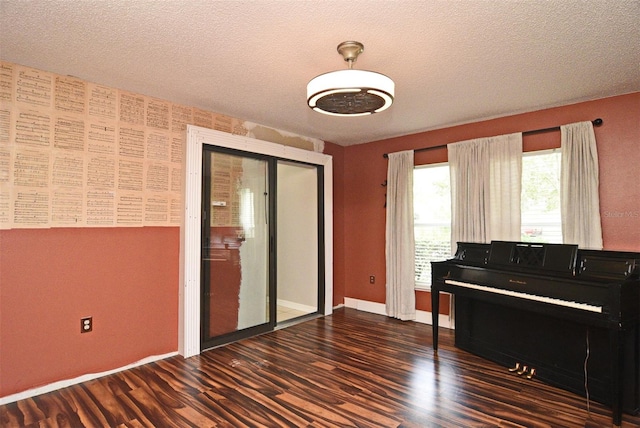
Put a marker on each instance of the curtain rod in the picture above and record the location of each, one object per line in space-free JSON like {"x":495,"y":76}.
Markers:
{"x":595,"y":122}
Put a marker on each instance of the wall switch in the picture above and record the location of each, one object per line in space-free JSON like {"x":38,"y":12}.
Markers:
{"x":86,"y":324}
{"x":372,"y":279}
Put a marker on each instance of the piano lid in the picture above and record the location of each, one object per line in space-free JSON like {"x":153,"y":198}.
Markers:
{"x":608,"y":265}
{"x":559,"y":259}
{"x":556,"y":259}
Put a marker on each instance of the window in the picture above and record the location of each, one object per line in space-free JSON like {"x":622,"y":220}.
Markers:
{"x":540,"y":200}
{"x":432,"y":219}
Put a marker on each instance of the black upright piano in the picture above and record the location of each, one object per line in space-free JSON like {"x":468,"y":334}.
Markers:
{"x":566,"y":316}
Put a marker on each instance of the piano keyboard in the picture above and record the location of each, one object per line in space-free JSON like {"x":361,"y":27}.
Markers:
{"x":543,"y":299}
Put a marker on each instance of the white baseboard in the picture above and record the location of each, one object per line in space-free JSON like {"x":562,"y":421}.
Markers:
{"x":84,"y":378}
{"x":297,"y":306}
{"x":361,"y":305}
{"x":423,"y":317}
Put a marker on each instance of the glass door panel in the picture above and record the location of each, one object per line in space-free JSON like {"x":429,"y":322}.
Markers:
{"x":235,"y":247}
{"x":298,"y":249}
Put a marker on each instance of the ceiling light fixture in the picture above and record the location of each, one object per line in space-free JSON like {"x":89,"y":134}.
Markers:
{"x":350,"y":92}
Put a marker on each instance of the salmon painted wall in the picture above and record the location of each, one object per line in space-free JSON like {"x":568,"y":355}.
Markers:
{"x":365,"y":169}
{"x":125,"y":278}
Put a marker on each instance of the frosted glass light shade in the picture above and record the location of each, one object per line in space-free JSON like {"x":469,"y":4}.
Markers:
{"x":350,"y":93}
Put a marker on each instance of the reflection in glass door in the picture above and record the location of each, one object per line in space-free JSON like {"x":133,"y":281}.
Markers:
{"x":236,"y":283}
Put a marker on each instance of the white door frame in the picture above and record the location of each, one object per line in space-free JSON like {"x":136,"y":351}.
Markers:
{"x":190,"y":235}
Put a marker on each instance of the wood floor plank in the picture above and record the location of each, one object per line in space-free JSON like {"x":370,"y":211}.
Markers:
{"x":350,"y":369}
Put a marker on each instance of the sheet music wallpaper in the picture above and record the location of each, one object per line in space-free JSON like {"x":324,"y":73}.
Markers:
{"x":79,"y":154}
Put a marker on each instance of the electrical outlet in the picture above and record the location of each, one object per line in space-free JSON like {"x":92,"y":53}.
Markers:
{"x":372,"y":279}
{"x":86,"y":324}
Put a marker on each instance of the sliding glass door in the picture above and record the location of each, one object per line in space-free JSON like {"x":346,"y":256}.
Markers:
{"x":257,"y":234}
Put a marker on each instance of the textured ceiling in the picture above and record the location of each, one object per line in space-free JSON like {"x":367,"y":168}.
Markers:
{"x":453,"y":61}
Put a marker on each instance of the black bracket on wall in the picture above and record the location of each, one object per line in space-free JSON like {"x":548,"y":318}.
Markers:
{"x":384,"y":184}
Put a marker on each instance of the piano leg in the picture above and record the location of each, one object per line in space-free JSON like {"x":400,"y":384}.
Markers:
{"x":617,"y":365}
{"x":435,"y":311}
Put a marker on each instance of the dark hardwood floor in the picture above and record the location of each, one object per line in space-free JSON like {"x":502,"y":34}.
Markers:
{"x":351,"y":369}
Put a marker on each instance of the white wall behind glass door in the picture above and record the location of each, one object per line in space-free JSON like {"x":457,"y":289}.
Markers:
{"x":297,"y":211}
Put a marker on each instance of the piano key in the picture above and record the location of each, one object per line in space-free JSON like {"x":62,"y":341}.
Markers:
{"x":533,"y":297}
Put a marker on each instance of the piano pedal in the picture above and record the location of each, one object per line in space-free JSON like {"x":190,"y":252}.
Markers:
{"x":515,"y":369}
{"x":522,"y":371}
{"x":531,"y":373}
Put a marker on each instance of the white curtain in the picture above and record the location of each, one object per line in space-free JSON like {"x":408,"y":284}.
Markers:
{"x":469,"y":171}
{"x":505,"y":187}
{"x":400,"y":243}
{"x":580,"y":202}
{"x":485,"y":189}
